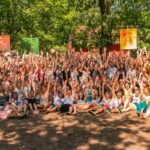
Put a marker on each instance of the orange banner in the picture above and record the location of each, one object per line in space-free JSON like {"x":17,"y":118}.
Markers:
{"x":128,"y":39}
{"x":4,"y":42}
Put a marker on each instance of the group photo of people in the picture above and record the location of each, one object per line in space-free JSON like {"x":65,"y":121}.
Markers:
{"x":74,"y":74}
{"x":74,"y":84}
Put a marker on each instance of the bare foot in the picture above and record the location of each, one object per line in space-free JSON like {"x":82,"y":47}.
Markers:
{"x":75,"y":113}
{"x":68,"y":113}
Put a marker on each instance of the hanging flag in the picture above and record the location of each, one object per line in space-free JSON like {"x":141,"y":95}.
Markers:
{"x":128,"y":39}
{"x":31,"y":45}
{"x":4,"y":42}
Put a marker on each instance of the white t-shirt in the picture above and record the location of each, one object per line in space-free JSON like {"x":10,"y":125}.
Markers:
{"x":105,"y":102}
{"x":80,"y":101}
{"x":57,"y":100}
{"x":27,"y":91}
{"x":131,"y":73}
{"x":136,"y":99}
{"x":20,"y":96}
{"x":96,"y":101}
{"x":74,"y":75}
{"x":115,"y":102}
{"x":68,"y":100}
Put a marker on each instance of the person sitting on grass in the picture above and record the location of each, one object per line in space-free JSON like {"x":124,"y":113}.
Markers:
{"x":104,"y":105}
{"x":117,"y":100}
{"x":135,"y":100}
{"x":12,"y":108}
{"x":88,"y":99}
{"x":44,"y":97}
{"x":67,"y":102}
{"x":3,"y":98}
{"x":127,"y":88}
{"x":147,"y":113}
{"x":80,"y":101}
{"x":32,"y":102}
{"x":95,"y":101}
{"x":56,"y":104}
{"x":143,"y":107}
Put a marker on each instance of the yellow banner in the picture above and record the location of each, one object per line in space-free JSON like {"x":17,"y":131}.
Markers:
{"x":128,"y":39}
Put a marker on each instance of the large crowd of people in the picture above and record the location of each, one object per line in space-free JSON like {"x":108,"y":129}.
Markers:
{"x":31,"y":84}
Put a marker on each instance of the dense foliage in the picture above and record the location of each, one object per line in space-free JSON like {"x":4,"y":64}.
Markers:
{"x":92,"y":23}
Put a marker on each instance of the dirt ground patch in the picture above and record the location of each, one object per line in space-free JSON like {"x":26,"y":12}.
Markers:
{"x":80,"y":132}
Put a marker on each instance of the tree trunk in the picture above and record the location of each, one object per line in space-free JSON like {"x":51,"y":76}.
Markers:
{"x":105,"y":9}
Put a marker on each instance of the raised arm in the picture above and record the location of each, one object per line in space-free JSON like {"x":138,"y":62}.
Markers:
{"x":48,"y":89}
{"x":113,"y":90}
{"x":65,"y":88}
{"x":106,"y":63}
{"x":73,"y":93}
{"x":36,"y":67}
{"x":103,"y":94}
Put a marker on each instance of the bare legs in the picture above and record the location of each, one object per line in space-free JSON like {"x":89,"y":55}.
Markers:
{"x":126,"y":104}
{"x":86,"y":107}
{"x":129,"y":107}
{"x":53,"y":109}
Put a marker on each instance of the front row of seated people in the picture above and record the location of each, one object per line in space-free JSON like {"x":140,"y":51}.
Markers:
{"x":85,"y":101}
{"x":114,"y":102}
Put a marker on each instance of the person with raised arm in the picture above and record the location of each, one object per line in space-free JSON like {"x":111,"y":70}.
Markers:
{"x":104,"y":105}
{"x":32,"y":101}
{"x":67,"y":102}
{"x":57,"y":97}
{"x":117,"y":100}
{"x":44,"y":97}
{"x":135,"y":97}
{"x":144,"y":105}
{"x":127,"y":87}
{"x":88,"y":90}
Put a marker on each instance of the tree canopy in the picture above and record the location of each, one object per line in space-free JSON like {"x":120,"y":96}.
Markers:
{"x":92,"y":23}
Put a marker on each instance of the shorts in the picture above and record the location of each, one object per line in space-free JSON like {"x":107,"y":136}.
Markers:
{"x":53,"y":105}
{"x":65,"y":108}
{"x":88,"y":101}
{"x":32,"y":101}
{"x":80,"y":103}
{"x":99,"y":105}
{"x":134,"y":105}
{"x":142,"y":106}
{"x":44,"y":102}
{"x":113,"y":108}
{"x":56,"y":104}
{"x":106,"y":106}
{"x":1,"y":107}
{"x":94,"y":102}
{"x":37,"y":100}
